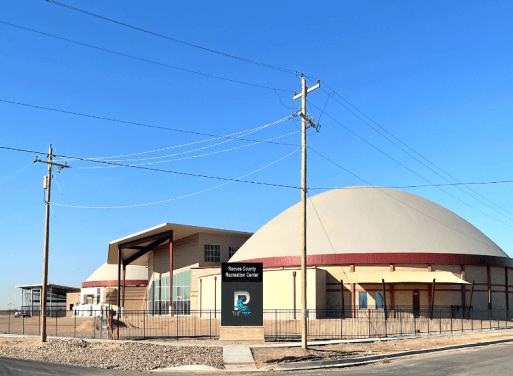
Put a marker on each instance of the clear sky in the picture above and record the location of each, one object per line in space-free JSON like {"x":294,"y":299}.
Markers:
{"x":437,"y":75}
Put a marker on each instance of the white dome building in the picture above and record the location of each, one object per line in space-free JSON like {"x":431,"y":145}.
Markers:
{"x":372,"y":246}
{"x":100,"y":289}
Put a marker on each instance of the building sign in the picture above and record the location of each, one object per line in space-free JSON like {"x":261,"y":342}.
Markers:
{"x":242,"y":294}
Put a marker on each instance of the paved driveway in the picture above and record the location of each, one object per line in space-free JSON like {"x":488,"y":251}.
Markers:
{"x":494,"y":360}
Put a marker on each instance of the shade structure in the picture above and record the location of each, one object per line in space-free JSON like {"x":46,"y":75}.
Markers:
{"x":405,"y":277}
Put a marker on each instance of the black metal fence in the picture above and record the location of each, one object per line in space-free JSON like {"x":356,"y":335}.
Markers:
{"x":279,"y":324}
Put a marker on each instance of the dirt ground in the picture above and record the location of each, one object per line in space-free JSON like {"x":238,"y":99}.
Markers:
{"x":267,"y":356}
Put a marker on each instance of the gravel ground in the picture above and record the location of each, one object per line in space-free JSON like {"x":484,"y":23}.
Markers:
{"x":125,"y":356}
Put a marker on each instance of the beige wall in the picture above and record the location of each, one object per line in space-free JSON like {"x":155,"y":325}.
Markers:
{"x":497,"y":275}
{"x":410,"y":267}
{"x":454,"y":269}
{"x":278,"y":289}
{"x":476,"y":273}
{"x":72,"y":298}
{"x":223,"y":241}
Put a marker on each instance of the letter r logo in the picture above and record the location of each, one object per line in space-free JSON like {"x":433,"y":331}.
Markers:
{"x":240,"y":299}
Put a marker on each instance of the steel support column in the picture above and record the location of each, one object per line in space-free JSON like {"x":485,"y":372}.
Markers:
{"x":119,"y":293}
{"x":171,"y":274}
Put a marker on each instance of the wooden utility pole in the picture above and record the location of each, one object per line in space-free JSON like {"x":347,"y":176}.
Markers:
{"x":305,"y":123}
{"x":47,"y":185}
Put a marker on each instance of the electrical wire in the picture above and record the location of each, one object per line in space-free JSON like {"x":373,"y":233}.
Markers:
{"x":173,"y":39}
{"x":206,"y":147}
{"x":414,"y":151}
{"x":180,"y":197}
{"x":134,"y":123}
{"x":381,"y":189}
{"x":194,"y":156}
{"x":143,"y":59}
{"x":412,"y":171}
{"x":15,"y":172}
{"x":153,"y":169}
{"x":418,"y":185}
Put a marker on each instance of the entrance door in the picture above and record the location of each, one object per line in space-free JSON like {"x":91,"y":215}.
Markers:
{"x":416,"y":303}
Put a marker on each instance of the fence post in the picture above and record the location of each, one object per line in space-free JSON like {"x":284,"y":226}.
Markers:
{"x":386,"y":329}
{"x":451,"y":321}
{"x":144,"y":324}
{"x":75,"y":326}
{"x":56,"y":323}
{"x":275,"y":324}
{"x":9,"y":322}
{"x":341,"y":324}
{"x":368,"y":315}
{"x":481,"y":323}
{"x":39,"y":326}
{"x":210,"y":321}
{"x":401,"y":322}
{"x":428,"y":319}
{"x":23,"y":317}
{"x":472,"y":320}
{"x":414,"y":323}
{"x":440,"y":320}
{"x":462,"y":320}
{"x":176,"y":316}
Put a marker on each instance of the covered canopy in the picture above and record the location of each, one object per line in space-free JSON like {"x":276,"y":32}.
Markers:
{"x":149,"y":235}
{"x":404,"y":277}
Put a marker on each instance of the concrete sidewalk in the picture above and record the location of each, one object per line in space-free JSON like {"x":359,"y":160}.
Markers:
{"x":238,"y":359}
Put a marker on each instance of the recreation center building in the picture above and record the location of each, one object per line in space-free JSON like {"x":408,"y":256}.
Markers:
{"x":367,"y":247}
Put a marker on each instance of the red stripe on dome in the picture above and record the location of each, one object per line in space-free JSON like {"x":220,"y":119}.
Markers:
{"x":386,"y":258}
{"x":136,"y":282}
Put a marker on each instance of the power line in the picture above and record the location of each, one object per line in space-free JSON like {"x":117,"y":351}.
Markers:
{"x":414,"y":151}
{"x":381,"y":189}
{"x":419,"y":161}
{"x":136,"y":123}
{"x":145,"y":60}
{"x":412,"y":171}
{"x":243,"y":133}
{"x":194,"y":156}
{"x":153,"y":169}
{"x":174,"y":39}
{"x":180,"y":197}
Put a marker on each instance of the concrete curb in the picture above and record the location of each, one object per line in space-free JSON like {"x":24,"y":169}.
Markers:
{"x":374,"y":358}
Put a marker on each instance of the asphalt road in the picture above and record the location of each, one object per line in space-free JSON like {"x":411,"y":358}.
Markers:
{"x":495,"y":360}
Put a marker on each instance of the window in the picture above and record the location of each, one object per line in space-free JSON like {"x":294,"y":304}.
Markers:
{"x":182,"y":293}
{"x":363,"y":299}
{"x":379,"y":300}
{"x":212,"y":253}
{"x":161,"y":296}
{"x":232,"y":250}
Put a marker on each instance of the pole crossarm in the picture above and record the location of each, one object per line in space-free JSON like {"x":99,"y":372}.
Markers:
{"x":59,"y":165}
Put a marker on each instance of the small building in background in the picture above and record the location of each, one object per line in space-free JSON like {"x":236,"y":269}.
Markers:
{"x":56,"y":303}
{"x":99,"y":291}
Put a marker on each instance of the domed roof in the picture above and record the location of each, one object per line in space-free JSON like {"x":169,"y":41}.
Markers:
{"x":366,"y":220}
{"x":107,"y":273}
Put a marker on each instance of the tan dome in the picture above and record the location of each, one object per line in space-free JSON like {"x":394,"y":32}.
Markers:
{"x":107,"y":274}
{"x":366,"y":220}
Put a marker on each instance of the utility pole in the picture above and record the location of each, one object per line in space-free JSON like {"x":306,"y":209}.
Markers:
{"x":306,"y":122}
{"x":47,"y":183}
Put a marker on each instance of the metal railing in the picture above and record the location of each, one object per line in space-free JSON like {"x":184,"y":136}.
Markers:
{"x":279,"y":324}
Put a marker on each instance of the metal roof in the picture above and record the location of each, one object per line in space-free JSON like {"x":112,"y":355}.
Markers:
{"x":36,"y":285}
{"x":179,"y":231}
{"x":367,"y":220}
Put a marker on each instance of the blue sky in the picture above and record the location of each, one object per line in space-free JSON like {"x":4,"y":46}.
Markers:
{"x":437,"y":75}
